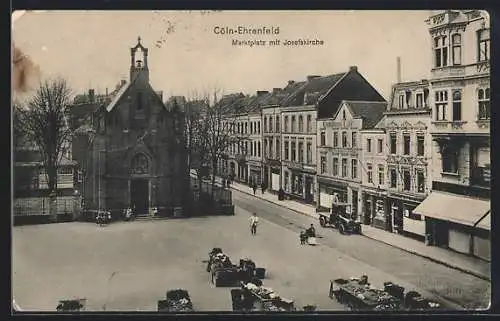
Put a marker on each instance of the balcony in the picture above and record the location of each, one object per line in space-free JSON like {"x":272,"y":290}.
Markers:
{"x":481,"y":68}
{"x":480,"y":127}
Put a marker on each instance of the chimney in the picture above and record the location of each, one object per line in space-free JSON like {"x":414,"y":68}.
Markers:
{"x":353,"y":68}
{"x":398,"y":70}
{"x":276,"y":90}
{"x":123,"y":82}
{"x":262,"y":92}
{"x":91,"y":95}
{"x":291,"y":82}
{"x":107,"y":92}
{"x":311,"y":77}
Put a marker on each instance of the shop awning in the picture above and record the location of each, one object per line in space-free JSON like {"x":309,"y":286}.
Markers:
{"x":485,"y":222}
{"x":453,"y":208}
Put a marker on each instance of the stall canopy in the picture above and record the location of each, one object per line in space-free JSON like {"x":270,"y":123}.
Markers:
{"x":454,"y":208}
{"x":485,"y":222}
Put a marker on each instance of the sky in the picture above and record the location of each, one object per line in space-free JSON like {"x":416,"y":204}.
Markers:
{"x":91,"y":49}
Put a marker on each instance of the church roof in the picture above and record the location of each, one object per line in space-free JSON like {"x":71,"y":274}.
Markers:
{"x":119,"y":95}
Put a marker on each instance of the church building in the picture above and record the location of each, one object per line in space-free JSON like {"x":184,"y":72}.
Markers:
{"x":137,"y":157}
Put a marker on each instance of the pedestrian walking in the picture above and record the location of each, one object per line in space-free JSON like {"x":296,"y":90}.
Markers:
{"x":254,"y":221}
{"x":303,"y":237}
{"x":254,"y":187}
{"x":263,"y":187}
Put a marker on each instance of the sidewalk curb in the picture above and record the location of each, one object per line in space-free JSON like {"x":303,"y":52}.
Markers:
{"x":452,"y":266}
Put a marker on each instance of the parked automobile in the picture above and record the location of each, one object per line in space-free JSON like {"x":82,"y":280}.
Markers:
{"x":341,"y":218}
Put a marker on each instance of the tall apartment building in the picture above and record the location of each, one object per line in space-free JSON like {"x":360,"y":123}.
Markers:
{"x":340,"y":163}
{"x":408,"y":144}
{"x":457,"y":211}
{"x":319,"y":98}
{"x":272,"y":134}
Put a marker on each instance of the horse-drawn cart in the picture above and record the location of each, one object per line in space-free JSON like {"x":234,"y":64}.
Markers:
{"x":358,"y":294}
{"x":177,"y":301}
{"x":224,"y":272}
{"x":251,"y":297}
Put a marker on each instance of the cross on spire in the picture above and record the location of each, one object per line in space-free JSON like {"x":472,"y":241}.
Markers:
{"x":139,"y":39}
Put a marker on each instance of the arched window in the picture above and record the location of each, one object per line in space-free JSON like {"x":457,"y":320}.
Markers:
{"x":456,"y":40}
{"x":140,"y":164}
{"x":483,"y":98}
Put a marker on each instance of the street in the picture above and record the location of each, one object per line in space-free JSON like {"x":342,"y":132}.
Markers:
{"x":128,"y":266}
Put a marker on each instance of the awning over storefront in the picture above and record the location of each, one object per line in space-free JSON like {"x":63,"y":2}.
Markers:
{"x":485,"y":222}
{"x":453,"y":208}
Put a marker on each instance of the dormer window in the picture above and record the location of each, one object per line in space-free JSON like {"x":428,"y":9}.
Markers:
{"x":408,"y":97}
{"x":457,"y":49}
{"x":419,"y":100}
{"x":401,"y":101}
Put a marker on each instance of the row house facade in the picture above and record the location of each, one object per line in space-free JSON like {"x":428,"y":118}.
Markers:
{"x":408,"y":156}
{"x":272,"y":135}
{"x":340,"y":151}
{"x":457,"y":210}
{"x":319,"y":98}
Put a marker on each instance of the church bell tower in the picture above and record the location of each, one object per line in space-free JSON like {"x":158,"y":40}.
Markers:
{"x":139,"y":68}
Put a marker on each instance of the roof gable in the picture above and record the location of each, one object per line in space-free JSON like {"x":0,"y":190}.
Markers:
{"x":371,"y":112}
{"x":344,"y":108}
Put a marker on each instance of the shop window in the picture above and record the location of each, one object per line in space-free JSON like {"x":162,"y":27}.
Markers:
{"x":450,"y":160}
{"x":441,"y":104}
{"x":322,"y":139}
{"x":354,"y":139}
{"x":406,"y":180}
{"x":323,"y":164}
{"x":457,"y":105}
{"x":393,"y":139}
{"x":480,"y":167}
{"x":287,"y":182}
{"x":456,"y":40}
{"x":370,"y":173}
{"x":406,"y":144}
{"x":335,"y":166}
{"x":344,"y":139}
{"x":344,"y":167}
{"x":369,"y":145}
{"x":420,"y":145}
{"x":420,"y":181}
{"x":354,"y":168}
{"x":483,"y":45}
{"x":394,"y":178}
{"x":335,"y":139}
{"x":381,"y":174}
{"x":483,"y":98}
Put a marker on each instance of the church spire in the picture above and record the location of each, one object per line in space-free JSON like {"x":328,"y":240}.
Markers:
{"x":139,"y":67}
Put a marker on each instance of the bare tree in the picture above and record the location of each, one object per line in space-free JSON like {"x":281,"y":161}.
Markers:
{"x":43,"y":121}
{"x":210,"y":130}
